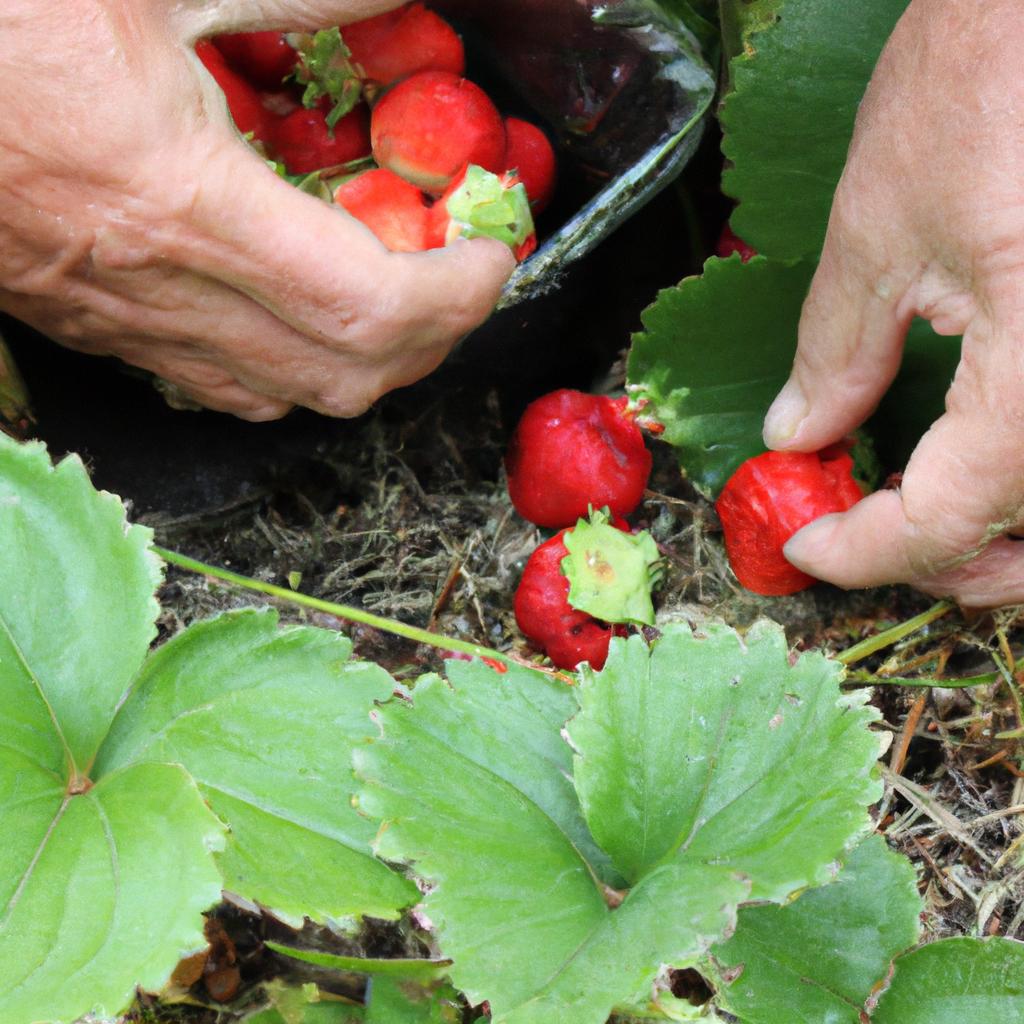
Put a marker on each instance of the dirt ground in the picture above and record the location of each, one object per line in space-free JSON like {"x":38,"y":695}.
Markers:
{"x":404,"y":513}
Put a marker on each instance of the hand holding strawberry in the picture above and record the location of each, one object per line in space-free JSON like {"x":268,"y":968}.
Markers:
{"x":134,"y":222}
{"x":928,"y":220}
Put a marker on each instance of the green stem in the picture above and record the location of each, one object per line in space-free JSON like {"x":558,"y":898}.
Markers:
{"x":341,"y":611}
{"x":867,"y":679}
{"x":873,"y":644}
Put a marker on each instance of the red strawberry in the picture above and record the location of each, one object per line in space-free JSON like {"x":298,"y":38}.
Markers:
{"x":728,"y":243}
{"x":572,"y":450}
{"x":399,"y":43}
{"x":479,"y":203}
{"x":567,"y":635}
{"x":530,"y":155}
{"x":389,"y":206}
{"x":304,"y":143}
{"x":430,"y":126}
{"x":768,"y":499}
{"x":264,"y":58}
{"x":244,"y":103}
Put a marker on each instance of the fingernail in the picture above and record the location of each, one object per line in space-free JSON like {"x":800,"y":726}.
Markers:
{"x":786,"y":414}
{"x":808,"y":546}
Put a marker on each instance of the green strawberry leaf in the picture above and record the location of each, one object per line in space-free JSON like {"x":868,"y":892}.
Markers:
{"x":819,"y":958}
{"x":954,"y":981}
{"x":716,"y":349}
{"x":100,"y":891}
{"x":111,"y":849}
{"x":714,"y":352}
{"x":265,"y":720}
{"x":517,"y":906}
{"x":611,"y":573}
{"x":398,"y":967}
{"x":796,"y":84}
{"x":707,"y":749}
{"x":76,"y":607}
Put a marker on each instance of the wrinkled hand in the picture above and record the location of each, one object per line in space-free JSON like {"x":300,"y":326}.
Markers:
{"x":928,"y":220}
{"x":135,"y":222}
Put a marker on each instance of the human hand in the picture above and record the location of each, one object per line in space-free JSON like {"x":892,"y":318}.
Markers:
{"x":135,"y":222}
{"x":928,"y":220}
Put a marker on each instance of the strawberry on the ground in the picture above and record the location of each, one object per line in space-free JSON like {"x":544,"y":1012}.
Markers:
{"x":768,"y":499}
{"x":265,"y":59}
{"x":390,"y":207}
{"x":572,"y":450}
{"x":529,"y":154}
{"x":479,"y":203}
{"x":398,"y":43}
{"x":729,"y":242}
{"x":304,"y":143}
{"x":567,"y":635}
{"x":243,"y":100}
{"x":431,"y":125}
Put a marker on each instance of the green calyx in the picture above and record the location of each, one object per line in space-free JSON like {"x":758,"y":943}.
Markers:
{"x":483,"y":206}
{"x":324,"y":69}
{"x":611,"y":573}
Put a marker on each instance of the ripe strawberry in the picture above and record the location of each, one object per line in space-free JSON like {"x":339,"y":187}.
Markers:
{"x":479,"y":203}
{"x":572,"y":450}
{"x":530,"y":155}
{"x":244,"y":103}
{"x":430,"y":126}
{"x":729,"y":242}
{"x":399,"y":43}
{"x":768,"y":499}
{"x":389,"y":206}
{"x":264,"y":58}
{"x":567,"y":635}
{"x":304,"y":143}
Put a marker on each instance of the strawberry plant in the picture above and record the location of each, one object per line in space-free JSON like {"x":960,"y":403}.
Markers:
{"x":136,"y":786}
{"x":688,"y":805}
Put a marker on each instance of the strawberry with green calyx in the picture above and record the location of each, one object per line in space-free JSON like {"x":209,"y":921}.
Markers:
{"x":530,"y":155}
{"x":304,"y":142}
{"x":398,"y":43}
{"x":325,"y":69}
{"x":428,"y":127}
{"x":389,"y":206}
{"x":611,"y":573}
{"x":481,"y":204}
{"x":266,"y":59}
{"x":567,"y":635}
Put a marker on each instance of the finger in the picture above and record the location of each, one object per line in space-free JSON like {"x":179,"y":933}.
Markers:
{"x":849,"y":345}
{"x":317,"y":268}
{"x":216,"y":16}
{"x":963,"y":487}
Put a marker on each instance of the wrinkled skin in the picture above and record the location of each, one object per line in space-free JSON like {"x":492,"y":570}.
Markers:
{"x":135,"y":222}
{"x":928,"y":219}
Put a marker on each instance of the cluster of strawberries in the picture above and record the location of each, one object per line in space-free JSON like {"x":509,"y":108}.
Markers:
{"x":390,"y":92}
{"x":571,"y":452}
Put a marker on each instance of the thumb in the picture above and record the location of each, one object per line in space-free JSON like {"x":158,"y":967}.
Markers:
{"x":848,"y":351}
